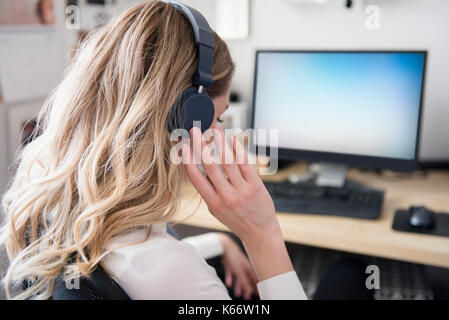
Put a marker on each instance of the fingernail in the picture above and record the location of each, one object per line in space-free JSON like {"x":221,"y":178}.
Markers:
{"x":197,"y":130}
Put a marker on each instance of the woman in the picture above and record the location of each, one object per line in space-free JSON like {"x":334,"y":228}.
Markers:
{"x":97,"y":186}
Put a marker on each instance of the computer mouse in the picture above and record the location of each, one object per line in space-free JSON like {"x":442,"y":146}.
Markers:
{"x":422,"y":218}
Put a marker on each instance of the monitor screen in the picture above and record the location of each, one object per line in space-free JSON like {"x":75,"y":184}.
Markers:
{"x":357,"y":103}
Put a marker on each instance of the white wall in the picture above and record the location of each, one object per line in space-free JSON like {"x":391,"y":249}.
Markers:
{"x":404,"y":24}
{"x":9,"y":140}
{"x":4,"y":159}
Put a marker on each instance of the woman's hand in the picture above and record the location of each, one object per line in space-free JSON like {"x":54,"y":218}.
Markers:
{"x":239,"y":200}
{"x":238,"y":269}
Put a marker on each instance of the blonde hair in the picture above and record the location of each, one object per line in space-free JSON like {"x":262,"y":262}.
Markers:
{"x":100,"y":166}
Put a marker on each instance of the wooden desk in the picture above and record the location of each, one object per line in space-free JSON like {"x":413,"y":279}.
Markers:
{"x":375,"y":238}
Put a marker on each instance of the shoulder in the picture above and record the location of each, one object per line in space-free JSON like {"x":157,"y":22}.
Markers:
{"x":162,"y":268}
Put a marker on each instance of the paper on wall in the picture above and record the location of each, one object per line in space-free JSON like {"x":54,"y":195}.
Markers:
{"x":232,"y":18}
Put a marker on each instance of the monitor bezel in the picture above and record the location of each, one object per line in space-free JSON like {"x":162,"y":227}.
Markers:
{"x":385,"y":163}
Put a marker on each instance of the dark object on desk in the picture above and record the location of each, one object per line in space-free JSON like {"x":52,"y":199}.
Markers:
{"x":403,"y":222}
{"x":353,"y":200}
{"x":434,"y":164}
{"x":285,"y":163}
{"x":422,"y":218}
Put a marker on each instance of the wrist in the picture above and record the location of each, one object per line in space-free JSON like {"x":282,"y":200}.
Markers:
{"x":268,"y":253}
{"x":268,"y":240}
{"x":263,"y":235}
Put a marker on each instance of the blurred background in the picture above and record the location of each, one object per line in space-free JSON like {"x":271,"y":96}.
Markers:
{"x":37,"y":39}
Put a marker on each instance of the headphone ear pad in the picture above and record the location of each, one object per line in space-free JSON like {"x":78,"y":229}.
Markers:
{"x":195,"y":107}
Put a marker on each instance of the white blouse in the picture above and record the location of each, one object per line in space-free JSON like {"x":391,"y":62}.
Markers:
{"x":164,"y":268}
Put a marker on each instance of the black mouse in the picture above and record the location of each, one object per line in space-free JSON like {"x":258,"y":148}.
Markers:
{"x":422,"y":218}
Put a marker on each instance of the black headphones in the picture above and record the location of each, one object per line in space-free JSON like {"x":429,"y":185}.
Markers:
{"x":194,"y":104}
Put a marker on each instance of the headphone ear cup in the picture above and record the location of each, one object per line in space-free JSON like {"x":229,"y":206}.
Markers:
{"x":193,"y":107}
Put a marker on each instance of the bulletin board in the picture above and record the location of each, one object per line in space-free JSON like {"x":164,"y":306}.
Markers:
{"x":26,"y":13}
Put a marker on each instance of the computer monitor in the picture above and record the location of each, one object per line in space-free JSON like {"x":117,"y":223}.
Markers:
{"x":359,"y":108}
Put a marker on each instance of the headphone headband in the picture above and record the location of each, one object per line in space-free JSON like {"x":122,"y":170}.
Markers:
{"x":204,"y":38}
{"x":194,"y":104}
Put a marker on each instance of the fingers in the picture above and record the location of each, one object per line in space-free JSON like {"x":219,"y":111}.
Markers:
{"x":200,"y":182}
{"x":242,"y":159}
{"x":237,"y":289}
{"x":228,"y":277}
{"x":211,"y":167}
{"x":253,"y":280}
{"x":227,"y":158}
{"x":243,"y":287}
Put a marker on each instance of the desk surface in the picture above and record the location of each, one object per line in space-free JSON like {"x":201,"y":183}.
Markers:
{"x":375,"y":238}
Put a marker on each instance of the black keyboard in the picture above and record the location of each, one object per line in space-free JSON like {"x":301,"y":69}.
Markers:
{"x":352,"y":200}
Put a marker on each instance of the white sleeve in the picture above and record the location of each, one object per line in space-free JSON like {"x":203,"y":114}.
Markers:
{"x":208,"y":245}
{"x":282,"y":287}
{"x":167,"y":270}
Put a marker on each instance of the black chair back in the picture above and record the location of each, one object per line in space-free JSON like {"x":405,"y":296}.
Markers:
{"x":97,"y":286}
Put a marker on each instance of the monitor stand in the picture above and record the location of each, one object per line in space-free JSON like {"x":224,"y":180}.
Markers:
{"x":322,"y":174}
{"x":330,"y":175}
{"x":334,"y":175}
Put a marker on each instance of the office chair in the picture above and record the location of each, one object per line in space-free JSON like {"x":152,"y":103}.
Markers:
{"x":97,"y":286}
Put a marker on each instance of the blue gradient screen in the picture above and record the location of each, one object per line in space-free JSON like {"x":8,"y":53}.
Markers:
{"x":360,"y":103}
